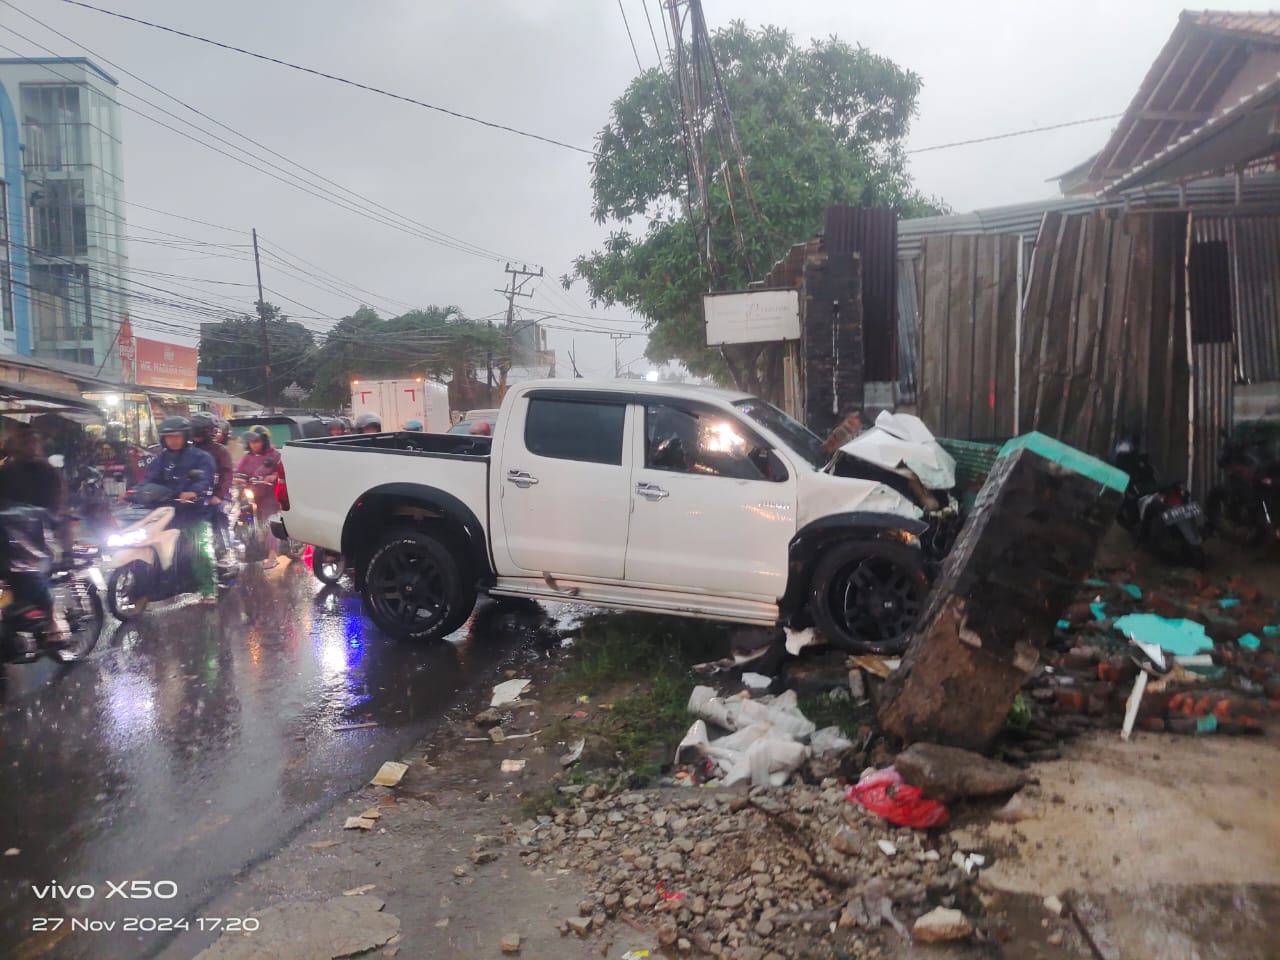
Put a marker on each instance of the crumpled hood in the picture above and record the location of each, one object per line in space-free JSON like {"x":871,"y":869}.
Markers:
{"x":901,"y":440}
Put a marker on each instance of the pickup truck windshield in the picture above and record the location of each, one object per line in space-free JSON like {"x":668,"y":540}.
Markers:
{"x":793,"y":433}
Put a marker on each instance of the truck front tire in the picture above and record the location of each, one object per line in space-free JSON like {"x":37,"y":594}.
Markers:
{"x":867,"y":595}
{"x":414,"y":587}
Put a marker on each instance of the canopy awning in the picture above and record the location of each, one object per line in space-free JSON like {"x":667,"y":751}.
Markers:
{"x":22,"y":399}
{"x":1245,"y":132}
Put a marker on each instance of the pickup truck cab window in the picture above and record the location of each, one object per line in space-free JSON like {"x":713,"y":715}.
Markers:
{"x":685,"y":438}
{"x":586,"y":431}
{"x":793,"y":433}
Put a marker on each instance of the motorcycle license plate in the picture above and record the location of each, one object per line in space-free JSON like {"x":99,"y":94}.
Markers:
{"x":1188,"y":511}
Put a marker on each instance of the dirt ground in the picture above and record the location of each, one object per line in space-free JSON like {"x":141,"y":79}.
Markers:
{"x":1163,"y":848}
{"x":1167,"y":847}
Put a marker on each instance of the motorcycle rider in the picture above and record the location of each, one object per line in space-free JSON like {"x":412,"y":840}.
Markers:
{"x":189,"y":474}
{"x":368,"y":423}
{"x":413,"y":426}
{"x":262,"y":462}
{"x":204,"y":435}
{"x":27,"y":478}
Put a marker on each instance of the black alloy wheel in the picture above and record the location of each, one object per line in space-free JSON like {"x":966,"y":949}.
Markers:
{"x":867,"y":595}
{"x":414,"y":588}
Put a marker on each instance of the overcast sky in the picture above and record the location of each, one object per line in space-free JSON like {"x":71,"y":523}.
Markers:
{"x":547,"y":66}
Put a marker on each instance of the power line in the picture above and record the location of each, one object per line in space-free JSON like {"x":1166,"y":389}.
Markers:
{"x":644,"y":4}
{"x":250,"y":139}
{"x":635,"y":53}
{"x":1014,"y":133}
{"x":296,"y":181}
{"x":329,"y":76}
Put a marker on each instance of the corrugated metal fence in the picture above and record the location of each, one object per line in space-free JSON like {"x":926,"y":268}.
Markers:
{"x":871,"y":233}
{"x":1254,"y":248}
{"x":968,"y":317}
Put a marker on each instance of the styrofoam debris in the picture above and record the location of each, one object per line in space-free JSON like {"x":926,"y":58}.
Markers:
{"x":390,"y":773}
{"x":508,"y":692}
{"x":887,"y":847}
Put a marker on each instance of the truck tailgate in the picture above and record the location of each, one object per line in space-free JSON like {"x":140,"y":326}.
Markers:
{"x":326,"y":478}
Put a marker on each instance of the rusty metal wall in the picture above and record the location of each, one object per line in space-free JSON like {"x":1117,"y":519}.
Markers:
{"x":873,"y":235}
{"x":1213,"y":386}
{"x":908,"y":333}
{"x":1254,"y":246}
{"x":1105,"y":335}
{"x":968,"y":304}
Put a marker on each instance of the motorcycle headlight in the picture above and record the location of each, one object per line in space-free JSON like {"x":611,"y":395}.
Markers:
{"x":129,"y":539}
{"x":248,"y":494}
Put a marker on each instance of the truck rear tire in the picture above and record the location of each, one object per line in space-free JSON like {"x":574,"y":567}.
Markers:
{"x":414,"y":588}
{"x":867,"y":595}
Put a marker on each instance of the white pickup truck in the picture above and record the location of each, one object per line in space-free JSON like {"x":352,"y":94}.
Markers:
{"x":666,"y":498}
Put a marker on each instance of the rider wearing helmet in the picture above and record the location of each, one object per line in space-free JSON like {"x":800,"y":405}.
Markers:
{"x":368,"y":423}
{"x":337,"y":428}
{"x":189,"y":473}
{"x":414,"y":426}
{"x":261,"y":463}
{"x":204,"y":435}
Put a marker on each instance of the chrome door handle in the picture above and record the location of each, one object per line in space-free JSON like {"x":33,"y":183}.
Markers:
{"x":521,"y":479}
{"x":651,"y":491}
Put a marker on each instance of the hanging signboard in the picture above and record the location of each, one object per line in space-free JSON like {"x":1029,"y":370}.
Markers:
{"x":162,"y":364}
{"x":126,"y":349}
{"x":759,"y":316}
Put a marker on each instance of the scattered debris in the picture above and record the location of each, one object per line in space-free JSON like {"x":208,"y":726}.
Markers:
{"x":940,"y":925}
{"x":756,"y":681}
{"x":884,"y":794}
{"x":323,"y":844}
{"x":12,"y":852}
{"x":1053,"y":905}
{"x":1020,"y":807}
{"x":355,"y":726}
{"x":358,"y":823}
{"x":881,"y":667}
{"x":497,"y":735}
{"x":513,"y":765}
{"x":770,"y":871}
{"x":574,"y":754}
{"x":887,"y":847}
{"x":511,"y":943}
{"x":797,"y":640}
{"x":1181,"y":638}
{"x":305,"y":929}
{"x":579,"y":925}
{"x":357,"y":891}
{"x":508,"y":692}
{"x":390,"y":774}
{"x":948,"y":773}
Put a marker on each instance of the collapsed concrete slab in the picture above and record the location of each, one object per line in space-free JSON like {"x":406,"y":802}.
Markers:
{"x":1028,"y":543}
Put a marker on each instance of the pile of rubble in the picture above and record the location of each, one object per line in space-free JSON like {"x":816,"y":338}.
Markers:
{"x":774,"y":872}
{"x":1221,"y":640}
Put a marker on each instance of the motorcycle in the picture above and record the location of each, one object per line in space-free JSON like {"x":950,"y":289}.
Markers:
{"x":902,"y":453}
{"x":250,"y":528}
{"x":1245,"y":508}
{"x":76,"y":584}
{"x":149,"y":556}
{"x":1163,"y":517}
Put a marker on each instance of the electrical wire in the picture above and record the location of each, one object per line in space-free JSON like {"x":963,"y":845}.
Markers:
{"x":626,"y":23}
{"x":1014,"y":133}
{"x":250,"y":139}
{"x":330,"y":76}
{"x":283,"y":176}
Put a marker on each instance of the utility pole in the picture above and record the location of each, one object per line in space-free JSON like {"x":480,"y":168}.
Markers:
{"x":515,"y":288}
{"x":617,"y":338}
{"x":262,"y":323}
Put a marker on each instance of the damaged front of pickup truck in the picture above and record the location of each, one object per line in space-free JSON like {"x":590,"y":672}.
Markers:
{"x":661,"y":498}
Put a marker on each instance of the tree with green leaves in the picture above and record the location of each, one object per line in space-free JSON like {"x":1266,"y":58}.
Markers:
{"x":818,"y":126}
{"x":231,"y":354}
{"x":435,"y":342}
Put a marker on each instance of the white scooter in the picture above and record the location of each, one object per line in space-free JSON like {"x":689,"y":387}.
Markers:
{"x":147,"y":558}
{"x":901,"y":452}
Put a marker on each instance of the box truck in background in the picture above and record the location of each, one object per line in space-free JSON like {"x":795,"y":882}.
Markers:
{"x":396,"y":402}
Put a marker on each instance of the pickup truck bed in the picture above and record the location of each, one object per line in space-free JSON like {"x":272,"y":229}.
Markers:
{"x":323,"y":491}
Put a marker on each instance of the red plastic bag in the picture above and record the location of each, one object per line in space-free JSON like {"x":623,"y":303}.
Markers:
{"x":884,"y":794}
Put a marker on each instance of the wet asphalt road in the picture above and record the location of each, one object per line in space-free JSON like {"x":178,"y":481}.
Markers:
{"x":194,"y":743}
